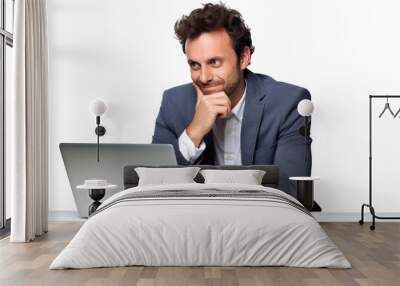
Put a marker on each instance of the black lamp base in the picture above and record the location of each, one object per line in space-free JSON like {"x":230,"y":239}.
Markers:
{"x":100,"y":130}
{"x":96,"y":195}
{"x":316,"y":207}
{"x":305,"y":195}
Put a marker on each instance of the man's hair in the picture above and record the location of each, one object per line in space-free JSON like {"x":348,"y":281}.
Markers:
{"x":214,"y":17}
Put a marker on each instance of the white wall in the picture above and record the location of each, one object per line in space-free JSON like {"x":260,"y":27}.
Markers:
{"x":126,"y":53}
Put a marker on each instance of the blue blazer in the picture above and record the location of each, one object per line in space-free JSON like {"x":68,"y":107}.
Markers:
{"x":270,"y":126}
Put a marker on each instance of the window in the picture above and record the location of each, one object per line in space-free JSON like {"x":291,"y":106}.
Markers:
{"x":6,"y":44}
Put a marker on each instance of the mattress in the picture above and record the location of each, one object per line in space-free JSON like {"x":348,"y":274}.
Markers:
{"x":201,"y":225}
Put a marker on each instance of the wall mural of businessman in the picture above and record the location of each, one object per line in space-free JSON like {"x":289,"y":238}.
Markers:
{"x":229,"y":115}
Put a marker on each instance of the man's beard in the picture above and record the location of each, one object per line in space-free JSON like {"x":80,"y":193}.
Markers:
{"x":230,"y":89}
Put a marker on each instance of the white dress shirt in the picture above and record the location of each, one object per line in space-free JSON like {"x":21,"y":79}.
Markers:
{"x":226,"y":137}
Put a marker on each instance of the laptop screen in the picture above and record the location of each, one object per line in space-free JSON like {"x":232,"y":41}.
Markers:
{"x":80,"y":161}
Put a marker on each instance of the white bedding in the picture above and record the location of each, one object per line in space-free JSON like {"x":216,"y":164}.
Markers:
{"x":185,"y":231}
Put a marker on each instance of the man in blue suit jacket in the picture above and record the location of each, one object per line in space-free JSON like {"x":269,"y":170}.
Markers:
{"x":228,"y":114}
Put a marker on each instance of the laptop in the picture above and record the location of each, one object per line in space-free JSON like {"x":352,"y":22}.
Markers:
{"x":80,"y":161}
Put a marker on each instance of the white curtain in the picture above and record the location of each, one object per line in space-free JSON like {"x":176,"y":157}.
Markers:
{"x":29,"y":147}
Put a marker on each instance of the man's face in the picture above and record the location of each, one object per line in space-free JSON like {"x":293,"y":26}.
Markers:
{"x":214,"y":65}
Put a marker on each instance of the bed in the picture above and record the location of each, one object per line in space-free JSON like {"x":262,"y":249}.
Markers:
{"x":201,"y":224}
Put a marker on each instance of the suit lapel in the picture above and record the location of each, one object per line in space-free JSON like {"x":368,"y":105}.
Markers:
{"x":252,"y":115}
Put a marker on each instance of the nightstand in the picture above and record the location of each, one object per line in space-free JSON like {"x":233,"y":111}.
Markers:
{"x":305,"y":192}
{"x":97,"y":190}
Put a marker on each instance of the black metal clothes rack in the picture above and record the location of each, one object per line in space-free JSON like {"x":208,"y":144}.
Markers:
{"x":369,"y":205}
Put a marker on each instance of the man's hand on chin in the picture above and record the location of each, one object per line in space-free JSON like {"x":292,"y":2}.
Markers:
{"x":209,"y":107}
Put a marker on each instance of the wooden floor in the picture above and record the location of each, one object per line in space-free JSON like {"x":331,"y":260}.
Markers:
{"x":374,"y":255}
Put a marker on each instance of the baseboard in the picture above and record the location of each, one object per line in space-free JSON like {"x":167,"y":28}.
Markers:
{"x":349,"y":216}
{"x":65,"y":216}
{"x":319,"y":216}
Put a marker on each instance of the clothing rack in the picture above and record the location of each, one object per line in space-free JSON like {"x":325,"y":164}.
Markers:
{"x":369,"y":205}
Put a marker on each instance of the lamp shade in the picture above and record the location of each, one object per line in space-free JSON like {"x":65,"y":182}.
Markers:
{"x":97,"y":107}
{"x":305,"y":107}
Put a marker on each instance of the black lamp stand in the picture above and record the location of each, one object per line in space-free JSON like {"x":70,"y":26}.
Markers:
{"x":100,"y":131}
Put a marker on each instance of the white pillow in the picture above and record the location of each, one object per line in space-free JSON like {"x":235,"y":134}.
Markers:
{"x":162,"y":176}
{"x":249,"y":177}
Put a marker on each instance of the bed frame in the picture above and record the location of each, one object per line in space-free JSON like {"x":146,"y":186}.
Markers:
{"x":270,"y":179}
